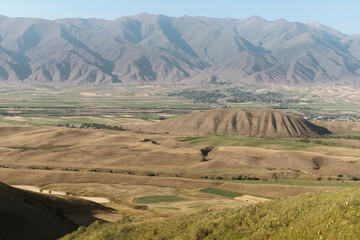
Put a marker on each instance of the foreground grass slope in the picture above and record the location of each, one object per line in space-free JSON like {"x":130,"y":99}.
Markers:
{"x":321,"y":215}
{"x":26,"y":215}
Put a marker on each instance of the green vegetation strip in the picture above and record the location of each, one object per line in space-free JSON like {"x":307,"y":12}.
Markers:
{"x":221,"y":192}
{"x":287,"y":143}
{"x":158,"y":199}
{"x":306,"y":183}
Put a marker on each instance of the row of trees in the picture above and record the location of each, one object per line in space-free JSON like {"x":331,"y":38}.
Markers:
{"x":101,"y":126}
{"x":94,"y":126}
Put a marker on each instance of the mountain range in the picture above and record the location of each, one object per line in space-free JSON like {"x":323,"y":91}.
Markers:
{"x":157,"y":49}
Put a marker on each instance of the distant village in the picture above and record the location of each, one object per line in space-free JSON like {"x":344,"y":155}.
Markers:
{"x":317,"y":117}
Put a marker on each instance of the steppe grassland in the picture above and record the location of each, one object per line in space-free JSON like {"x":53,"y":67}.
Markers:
{"x":25,"y":148}
{"x":144,"y":105}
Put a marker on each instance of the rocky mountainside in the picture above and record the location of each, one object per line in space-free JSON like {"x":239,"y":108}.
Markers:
{"x":146,"y":49}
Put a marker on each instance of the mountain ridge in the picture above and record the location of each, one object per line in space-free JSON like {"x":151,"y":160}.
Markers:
{"x":158,"y":49}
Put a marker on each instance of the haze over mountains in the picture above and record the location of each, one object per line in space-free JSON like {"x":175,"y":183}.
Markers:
{"x":147,"y":49}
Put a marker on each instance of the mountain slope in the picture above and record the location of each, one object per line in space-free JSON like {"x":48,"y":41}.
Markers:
{"x":148,"y":49}
{"x":260,"y":123}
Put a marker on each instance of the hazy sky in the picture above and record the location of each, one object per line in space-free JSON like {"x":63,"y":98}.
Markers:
{"x":343,"y":15}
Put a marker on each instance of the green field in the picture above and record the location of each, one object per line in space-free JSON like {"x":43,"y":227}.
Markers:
{"x":220,"y":192}
{"x":159,"y":199}
{"x":49,"y":106}
{"x":145,"y":97}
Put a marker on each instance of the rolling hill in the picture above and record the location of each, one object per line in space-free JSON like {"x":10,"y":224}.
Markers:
{"x":157,"y":49}
{"x":259,"y":123}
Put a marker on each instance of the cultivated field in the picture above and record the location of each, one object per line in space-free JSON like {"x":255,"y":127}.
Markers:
{"x":47,"y":106}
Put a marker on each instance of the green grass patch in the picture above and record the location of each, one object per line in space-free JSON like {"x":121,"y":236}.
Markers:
{"x":159,"y":199}
{"x":306,"y":183}
{"x":224,"y":140}
{"x":200,"y":205}
{"x":192,"y":139}
{"x":221,"y":192}
{"x":170,"y":208}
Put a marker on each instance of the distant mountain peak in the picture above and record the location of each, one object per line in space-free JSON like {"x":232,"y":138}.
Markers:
{"x":256,"y":18}
{"x":158,"y":49}
{"x":281,"y":21}
{"x":313,"y":24}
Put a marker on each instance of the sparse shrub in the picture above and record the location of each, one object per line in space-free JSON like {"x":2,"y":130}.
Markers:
{"x":318,"y":178}
{"x":150,"y":174}
{"x":110,"y":171}
{"x":219,"y":178}
{"x":140,"y":207}
{"x":353,"y":178}
{"x":240,"y":177}
{"x":205,"y":151}
{"x":69,"y":169}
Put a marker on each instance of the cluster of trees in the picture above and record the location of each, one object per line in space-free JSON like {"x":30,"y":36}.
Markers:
{"x":101,"y":126}
{"x":240,"y":177}
{"x":200,"y":96}
{"x":41,"y":168}
{"x":234,"y":95}
{"x":329,"y":136}
{"x":94,"y":126}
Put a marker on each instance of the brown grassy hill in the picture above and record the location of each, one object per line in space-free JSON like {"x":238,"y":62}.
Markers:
{"x":260,"y":123}
{"x":26,"y":215}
